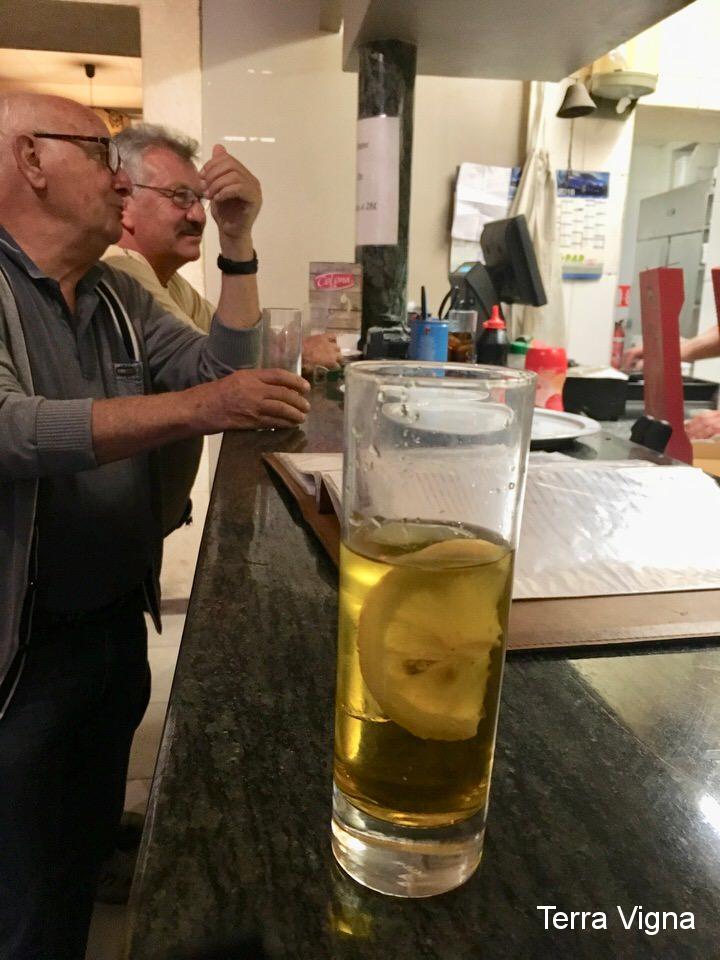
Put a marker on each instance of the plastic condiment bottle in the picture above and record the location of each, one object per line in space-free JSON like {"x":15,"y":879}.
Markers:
{"x":461,"y":335}
{"x":618,"y":345}
{"x":517,"y":353}
{"x":492,"y":344}
{"x":550,"y":365}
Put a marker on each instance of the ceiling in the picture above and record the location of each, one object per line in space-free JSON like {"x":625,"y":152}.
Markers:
{"x":504,"y":39}
{"x":117,"y":83}
{"x":82,"y":27}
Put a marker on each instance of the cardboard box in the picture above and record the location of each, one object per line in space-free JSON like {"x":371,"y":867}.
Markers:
{"x":706,"y":455}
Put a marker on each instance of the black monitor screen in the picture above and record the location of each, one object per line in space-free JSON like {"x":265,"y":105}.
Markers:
{"x":510,"y":261}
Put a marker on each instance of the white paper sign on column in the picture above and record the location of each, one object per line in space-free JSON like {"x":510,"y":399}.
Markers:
{"x":378,"y":181}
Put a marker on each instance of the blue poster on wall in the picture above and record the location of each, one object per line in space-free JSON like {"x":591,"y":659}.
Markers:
{"x":582,"y":218}
{"x":583,"y":183}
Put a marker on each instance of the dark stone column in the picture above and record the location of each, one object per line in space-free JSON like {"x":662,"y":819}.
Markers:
{"x":386,"y":87}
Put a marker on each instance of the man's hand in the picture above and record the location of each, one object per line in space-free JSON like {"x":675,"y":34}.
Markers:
{"x":321,"y":350}
{"x":235,"y":197}
{"x":632,"y":359}
{"x":125,"y":426}
{"x":703,"y":426}
{"x":249,"y":399}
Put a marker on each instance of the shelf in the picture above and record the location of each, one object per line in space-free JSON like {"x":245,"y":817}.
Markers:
{"x":509,"y":39}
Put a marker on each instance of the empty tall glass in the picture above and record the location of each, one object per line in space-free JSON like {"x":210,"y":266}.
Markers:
{"x":434,"y":471}
{"x":282,"y":338}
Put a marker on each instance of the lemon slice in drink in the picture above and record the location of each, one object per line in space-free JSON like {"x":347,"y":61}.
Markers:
{"x":425,"y":634}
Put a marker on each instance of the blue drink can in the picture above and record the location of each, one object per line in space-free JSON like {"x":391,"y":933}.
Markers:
{"x":428,"y":339}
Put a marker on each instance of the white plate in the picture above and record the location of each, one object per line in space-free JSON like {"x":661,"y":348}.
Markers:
{"x":451,"y":411}
{"x":548,"y":426}
{"x":555,"y":426}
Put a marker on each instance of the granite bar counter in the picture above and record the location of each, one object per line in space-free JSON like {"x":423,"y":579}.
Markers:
{"x":606,"y":790}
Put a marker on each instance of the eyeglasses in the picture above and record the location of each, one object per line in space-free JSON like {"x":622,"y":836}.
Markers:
{"x":112,"y":154}
{"x":182,"y":197}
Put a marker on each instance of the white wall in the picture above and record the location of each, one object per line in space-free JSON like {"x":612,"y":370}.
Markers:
{"x":597,"y":145}
{"x":689,"y":68}
{"x":456,"y":121}
{"x":309,"y":106}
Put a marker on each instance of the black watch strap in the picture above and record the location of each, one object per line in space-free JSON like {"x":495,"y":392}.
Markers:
{"x":238,"y":267}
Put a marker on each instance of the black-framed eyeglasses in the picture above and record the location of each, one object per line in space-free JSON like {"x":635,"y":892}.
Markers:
{"x":182,"y":197}
{"x":112,"y":154}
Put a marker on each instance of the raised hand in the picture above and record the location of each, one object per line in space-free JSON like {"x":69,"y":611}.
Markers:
{"x":234,"y":193}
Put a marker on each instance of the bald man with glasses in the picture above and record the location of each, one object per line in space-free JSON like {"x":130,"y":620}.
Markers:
{"x":95,"y":376}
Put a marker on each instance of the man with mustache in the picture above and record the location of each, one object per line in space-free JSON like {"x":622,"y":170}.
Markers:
{"x":94,"y":377}
{"x":163,"y":223}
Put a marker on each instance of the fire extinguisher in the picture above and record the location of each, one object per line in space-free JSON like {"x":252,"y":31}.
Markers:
{"x":618,"y":345}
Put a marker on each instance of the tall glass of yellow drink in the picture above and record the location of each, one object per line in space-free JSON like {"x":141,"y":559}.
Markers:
{"x":434,"y":471}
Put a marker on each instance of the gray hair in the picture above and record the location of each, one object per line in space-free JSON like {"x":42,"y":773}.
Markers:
{"x":134,"y":141}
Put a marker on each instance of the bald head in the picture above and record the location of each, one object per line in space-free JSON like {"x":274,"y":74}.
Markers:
{"x":57,"y":188}
{"x":22,"y":112}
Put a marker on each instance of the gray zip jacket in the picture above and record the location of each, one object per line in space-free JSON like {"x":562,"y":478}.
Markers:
{"x":55,"y":436}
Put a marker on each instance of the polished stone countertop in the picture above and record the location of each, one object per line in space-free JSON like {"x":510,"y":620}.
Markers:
{"x":606,"y":790}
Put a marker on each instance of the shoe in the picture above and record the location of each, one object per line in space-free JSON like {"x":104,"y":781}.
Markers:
{"x":129,"y":834}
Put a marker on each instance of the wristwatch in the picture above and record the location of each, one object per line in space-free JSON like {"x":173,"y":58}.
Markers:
{"x":238,"y":267}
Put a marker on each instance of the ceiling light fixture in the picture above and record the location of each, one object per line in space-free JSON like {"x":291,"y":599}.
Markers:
{"x":90,"y":73}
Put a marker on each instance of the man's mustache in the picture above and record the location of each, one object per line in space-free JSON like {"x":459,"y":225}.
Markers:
{"x":192,"y":232}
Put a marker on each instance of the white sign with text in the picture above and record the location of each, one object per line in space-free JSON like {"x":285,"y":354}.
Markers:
{"x":378,"y":181}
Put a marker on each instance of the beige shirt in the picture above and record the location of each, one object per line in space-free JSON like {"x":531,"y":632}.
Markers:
{"x":179,"y":297}
{"x":178,"y":461}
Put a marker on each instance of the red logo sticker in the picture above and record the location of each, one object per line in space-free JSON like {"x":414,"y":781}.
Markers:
{"x":334,"y":281}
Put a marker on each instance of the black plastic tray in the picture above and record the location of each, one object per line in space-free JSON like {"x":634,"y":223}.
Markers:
{"x":693,"y":388}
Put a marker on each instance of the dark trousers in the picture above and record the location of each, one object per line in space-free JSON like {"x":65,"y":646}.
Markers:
{"x":64,"y":747}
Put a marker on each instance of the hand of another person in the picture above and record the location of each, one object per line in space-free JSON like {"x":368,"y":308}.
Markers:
{"x":633,"y":359}
{"x":704,"y":425}
{"x":321,"y":350}
{"x":234,"y":193}
{"x":250,"y":399}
